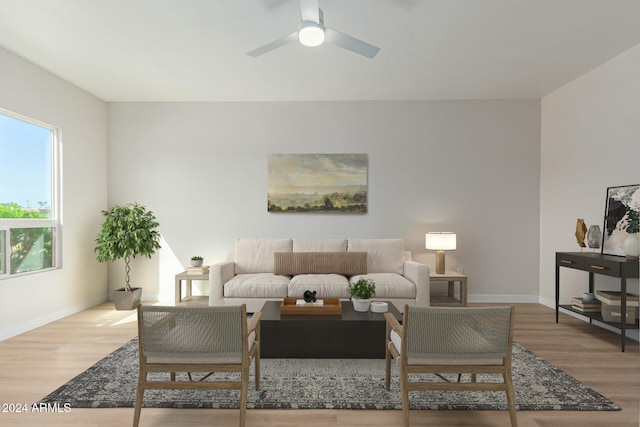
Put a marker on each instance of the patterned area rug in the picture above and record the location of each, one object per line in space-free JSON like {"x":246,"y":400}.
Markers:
{"x":329,"y":384}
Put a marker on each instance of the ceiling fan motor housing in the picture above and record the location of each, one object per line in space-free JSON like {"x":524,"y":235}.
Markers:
{"x":311,"y":33}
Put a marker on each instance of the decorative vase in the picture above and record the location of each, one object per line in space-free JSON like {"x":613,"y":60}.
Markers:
{"x":594,"y":236}
{"x":632,"y":247}
{"x":361,"y":304}
{"x":581,"y":230}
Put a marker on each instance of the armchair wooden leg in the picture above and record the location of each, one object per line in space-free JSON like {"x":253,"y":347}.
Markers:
{"x":257,"y":366}
{"x":139,"y":397}
{"x":244,"y":391}
{"x":404,"y":391}
{"x":511,"y":401}
{"x":387,"y":381}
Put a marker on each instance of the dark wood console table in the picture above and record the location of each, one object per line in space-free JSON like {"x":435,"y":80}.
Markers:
{"x":608,"y":265}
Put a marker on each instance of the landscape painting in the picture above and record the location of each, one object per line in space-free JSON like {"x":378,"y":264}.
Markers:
{"x":317,"y":183}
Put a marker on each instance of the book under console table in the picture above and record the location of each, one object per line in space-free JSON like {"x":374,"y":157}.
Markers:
{"x":607,"y":265}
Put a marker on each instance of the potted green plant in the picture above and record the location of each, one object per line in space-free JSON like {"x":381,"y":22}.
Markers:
{"x":128,"y":230}
{"x":361,"y":293}
{"x":196,"y":261}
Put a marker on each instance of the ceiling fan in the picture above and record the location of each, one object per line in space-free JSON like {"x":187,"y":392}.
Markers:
{"x":312,"y":32}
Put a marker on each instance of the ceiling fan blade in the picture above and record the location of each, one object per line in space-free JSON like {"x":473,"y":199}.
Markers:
{"x":350,"y":43}
{"x":310,"y":10}
{"x":293,"y":37}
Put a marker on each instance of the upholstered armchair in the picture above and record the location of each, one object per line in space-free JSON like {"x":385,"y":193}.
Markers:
{"x":197,"y":340}
{"x":456,"y":341}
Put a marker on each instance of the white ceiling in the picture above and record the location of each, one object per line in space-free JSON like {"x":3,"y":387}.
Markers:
{"x":195,"y":50}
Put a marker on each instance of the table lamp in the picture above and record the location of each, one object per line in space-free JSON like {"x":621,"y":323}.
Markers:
{"x":440,"y":242}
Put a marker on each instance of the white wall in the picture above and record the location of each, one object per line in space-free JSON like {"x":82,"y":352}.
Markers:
{"x":484,"y":169}
{"x":36,"y":299}
{"x":590,"y":141}
{"x":466,"y":166}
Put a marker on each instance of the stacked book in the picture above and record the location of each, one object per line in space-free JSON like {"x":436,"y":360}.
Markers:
{"x":317,"y":303}
{"x":585,"y":305}
{"x":198,"y":270}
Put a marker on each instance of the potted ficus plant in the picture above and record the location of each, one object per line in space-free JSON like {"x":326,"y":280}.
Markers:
{"x":128,"y":230}
{"x":361,"y":293}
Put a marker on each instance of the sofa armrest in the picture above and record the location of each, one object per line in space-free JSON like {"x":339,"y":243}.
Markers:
{"x":418,"y":274}
{"x":219,"y":274}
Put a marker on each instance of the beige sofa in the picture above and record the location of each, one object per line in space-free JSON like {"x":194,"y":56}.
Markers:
{"x":259,"y":270}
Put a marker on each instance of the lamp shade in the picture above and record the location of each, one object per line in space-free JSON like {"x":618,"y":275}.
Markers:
{"x":440,"y":241}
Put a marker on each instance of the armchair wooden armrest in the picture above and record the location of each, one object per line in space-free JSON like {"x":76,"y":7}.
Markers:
{"x":390,"y":350}
{"x":393,"y":323}
{"x":254,"y":322}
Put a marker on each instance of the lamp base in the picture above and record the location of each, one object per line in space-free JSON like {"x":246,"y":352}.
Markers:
{"x":440,"y":262}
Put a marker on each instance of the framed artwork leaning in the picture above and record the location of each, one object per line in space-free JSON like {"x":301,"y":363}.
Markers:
{"x":620,"y":218}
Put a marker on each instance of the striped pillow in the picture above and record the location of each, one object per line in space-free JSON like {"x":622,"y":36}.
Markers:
{"x":347,"y":263}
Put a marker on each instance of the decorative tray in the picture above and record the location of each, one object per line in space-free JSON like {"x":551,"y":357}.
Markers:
{"x":329,"y":306}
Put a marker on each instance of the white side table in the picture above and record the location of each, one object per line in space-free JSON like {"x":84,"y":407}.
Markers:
{"x":188,"y":279}
{"x":450,"y":300}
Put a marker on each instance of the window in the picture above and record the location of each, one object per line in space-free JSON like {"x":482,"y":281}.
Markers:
{"x":29,"y":219}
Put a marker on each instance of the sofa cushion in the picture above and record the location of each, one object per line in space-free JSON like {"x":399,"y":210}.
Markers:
{"x":389,"y":285}
{"x":325,"y":285}
{"x":260,"y":285}
{"x":319,"y":245}
{"x":347,"y":263}
{"x":256,"y":255}
{"x":383,"y":255}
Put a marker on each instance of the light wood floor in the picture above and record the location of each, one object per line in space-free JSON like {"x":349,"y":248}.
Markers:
{"x":37,"y":362}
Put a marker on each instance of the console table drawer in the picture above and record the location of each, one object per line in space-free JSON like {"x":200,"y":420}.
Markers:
{"x":602,"y":266}
{"x":570,"y":261}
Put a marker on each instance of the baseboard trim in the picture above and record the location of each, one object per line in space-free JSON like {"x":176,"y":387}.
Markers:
{"x":13,"y":330}
{"x":532,"y":299}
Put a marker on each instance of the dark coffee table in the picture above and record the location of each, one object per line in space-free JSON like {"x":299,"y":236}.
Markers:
{"x":353,"y":334}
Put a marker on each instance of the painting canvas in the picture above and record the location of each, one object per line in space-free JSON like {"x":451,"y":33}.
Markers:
{"x":317,"y":183}
{"x":620,"y":217}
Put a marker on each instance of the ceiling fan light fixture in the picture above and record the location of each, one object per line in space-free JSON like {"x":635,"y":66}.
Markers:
{"x":311,"y":33}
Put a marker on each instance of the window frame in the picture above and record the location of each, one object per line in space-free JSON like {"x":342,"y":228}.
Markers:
{"x":55,"y":221}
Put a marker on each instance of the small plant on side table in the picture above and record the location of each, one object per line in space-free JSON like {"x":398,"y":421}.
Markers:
{"x":196,"y":261}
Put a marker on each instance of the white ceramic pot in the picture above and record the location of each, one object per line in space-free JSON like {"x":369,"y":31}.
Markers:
{"x":361,"y":304}
{"x":196,"y":263}
{"x":632,"y":247}
{"x":379,"y":307}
